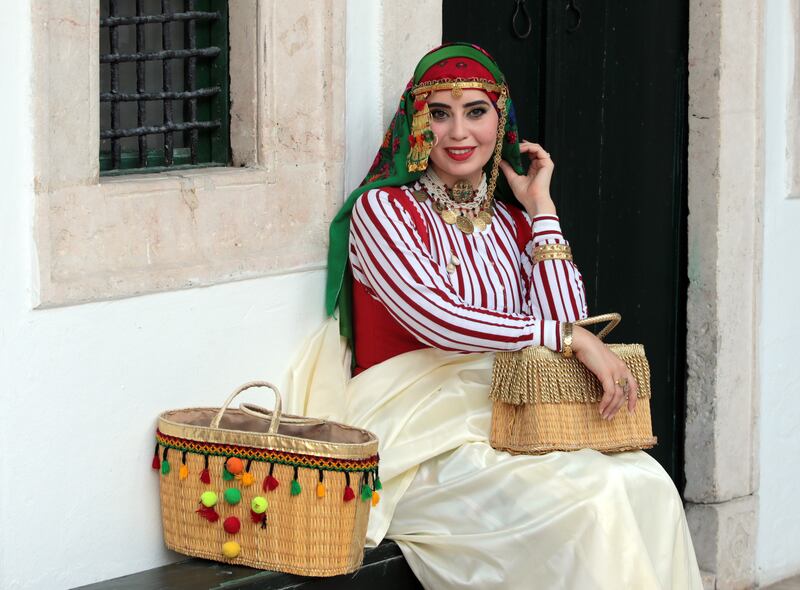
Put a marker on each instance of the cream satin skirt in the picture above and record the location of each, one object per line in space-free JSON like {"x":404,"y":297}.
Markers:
{"x":467,"y":516}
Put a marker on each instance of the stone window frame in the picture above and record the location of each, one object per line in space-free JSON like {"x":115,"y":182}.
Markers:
{"x":793,"y":107}
{"x":112,"y":237}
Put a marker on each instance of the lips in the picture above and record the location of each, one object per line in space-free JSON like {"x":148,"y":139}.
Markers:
{"x":460,"y":154}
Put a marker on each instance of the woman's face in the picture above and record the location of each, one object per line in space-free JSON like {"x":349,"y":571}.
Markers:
{"x":466,"y":128}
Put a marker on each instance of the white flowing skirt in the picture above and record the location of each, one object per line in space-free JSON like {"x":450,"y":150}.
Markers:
{"x":468,"y":516}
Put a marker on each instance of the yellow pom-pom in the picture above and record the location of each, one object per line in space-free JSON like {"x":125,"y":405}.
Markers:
{"x":320,"y":490}
{"x":231,"y":549}
{"x":376,"y":497}
{"x":184,"y":472}
{"x":247,"y":478}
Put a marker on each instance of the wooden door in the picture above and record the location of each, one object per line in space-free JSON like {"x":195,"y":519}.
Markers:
{"x":602,"y":85}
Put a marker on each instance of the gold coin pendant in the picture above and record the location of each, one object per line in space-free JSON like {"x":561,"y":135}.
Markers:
{"x":449,"y":216}
{"x":485,"y":216}
{"x":479,"y":224}
{"x":464,"y":223}
{"x":420,"y":196}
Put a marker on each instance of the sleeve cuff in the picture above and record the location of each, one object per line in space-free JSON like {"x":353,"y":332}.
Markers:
{"x":546,"y":227}
{"x":551,"y":334}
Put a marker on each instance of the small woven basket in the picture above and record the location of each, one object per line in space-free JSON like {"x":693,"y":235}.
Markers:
{"x":264,"y":489}
{"x":543,"y":402}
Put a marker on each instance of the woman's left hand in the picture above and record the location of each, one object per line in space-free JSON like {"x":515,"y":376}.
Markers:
{"x":532,"y":189}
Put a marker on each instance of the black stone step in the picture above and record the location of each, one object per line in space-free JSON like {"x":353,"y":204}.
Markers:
{"x":384,"y":568}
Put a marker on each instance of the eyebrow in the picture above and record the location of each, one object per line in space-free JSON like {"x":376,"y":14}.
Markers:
{"x":442,"y":105}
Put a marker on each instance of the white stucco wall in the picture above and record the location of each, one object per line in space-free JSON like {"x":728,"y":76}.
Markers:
{"x":778,"y":549}
{"x":81,"y":386}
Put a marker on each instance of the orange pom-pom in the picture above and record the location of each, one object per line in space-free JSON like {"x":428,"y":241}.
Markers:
{"x":247,"y":478}
{"x":376,"y":497}
{"x":234,"y":465}
{"x":320,"y":490}
{"x":184,"y":472}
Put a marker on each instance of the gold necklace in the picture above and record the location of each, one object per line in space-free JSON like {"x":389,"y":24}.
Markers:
{"x":466,"y":208}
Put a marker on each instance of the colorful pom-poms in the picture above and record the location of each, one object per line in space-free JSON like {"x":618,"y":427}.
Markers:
{"x":377,"y":483}
{"x":247,"y":478}
{"x":165,"y":467}
{"x":234,"y":465}
{"x":231,"y":525}
{"x":376,"y":497}
{"x":232,"y":496}
{"x":259,"y":505}
{"x":366,"y":492}
{"x":226,"y":475}
{"x":208,"y":513}
{"x":296,"y":489}
{"x":231,"y":549}
{"x":320,"y":490}
{"x":205,"y":476}
{"x":208,"y":499}
{"x":156,"y":461}
{"x":256,"y":517}
{"x":349,"y":494}
{"x":270,"y":483}
{"x":184,"y":472}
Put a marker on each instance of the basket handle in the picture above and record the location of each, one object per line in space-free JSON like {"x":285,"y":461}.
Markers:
{"x":276,"y":414}
{"x":613,"y":320}
{"x":259,"y":412}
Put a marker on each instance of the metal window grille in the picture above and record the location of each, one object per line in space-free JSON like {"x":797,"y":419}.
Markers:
{"x":163,"y":85}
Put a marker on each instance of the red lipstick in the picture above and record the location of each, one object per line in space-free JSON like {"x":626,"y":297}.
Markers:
{"x":460,"y":154}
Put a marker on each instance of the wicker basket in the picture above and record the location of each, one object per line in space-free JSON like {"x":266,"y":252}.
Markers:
{"x":272,"y":491}
{"x":543,"y":402}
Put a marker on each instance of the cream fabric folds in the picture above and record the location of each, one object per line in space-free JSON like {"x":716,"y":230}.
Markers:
{"x":467,"y":516}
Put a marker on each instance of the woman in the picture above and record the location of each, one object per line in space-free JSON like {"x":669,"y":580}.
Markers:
{"x":435,"y":256}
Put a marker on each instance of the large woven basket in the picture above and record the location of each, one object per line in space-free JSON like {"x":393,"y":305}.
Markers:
{"x":265,"y":489}
{"x":543,"y":402}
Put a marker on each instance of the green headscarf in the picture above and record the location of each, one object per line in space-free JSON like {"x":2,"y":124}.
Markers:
{"x":389,"y":169}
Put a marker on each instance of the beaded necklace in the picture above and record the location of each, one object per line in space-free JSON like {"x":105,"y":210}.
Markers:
{"x":466,"y":208}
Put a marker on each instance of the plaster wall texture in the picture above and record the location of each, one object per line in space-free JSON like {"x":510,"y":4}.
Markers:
{"x":82,"y":385}
{"x":778,"y":545}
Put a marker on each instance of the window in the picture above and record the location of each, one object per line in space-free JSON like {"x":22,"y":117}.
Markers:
{"x":163,"y":85}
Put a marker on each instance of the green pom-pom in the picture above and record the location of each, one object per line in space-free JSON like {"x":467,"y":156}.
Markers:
{"x":226,"y":475}
{"x":232,"y":496}
{"x":164,"y":467}
{"x":428,"y":135}
{"x":378,"y":484}
{"x":366,"y":493}
{"x":296,"y":489}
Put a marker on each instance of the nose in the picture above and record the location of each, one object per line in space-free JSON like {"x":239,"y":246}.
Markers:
{"x":458,"y":130}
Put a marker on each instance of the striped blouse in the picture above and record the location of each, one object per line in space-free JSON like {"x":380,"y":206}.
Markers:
{"x":459,"y":292}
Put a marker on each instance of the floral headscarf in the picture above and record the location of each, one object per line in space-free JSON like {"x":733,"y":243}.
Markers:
{"x":402,"y":157}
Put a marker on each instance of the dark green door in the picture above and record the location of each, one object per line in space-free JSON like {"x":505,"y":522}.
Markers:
{"x":602,"y":85}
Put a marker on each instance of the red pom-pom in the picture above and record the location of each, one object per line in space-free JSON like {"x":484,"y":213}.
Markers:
{"x":156,"y":462}
{"x":349,"y":494}
{"x":419,"y":105}
{"x":208,"y":513}
{"x":256,"y":517}
{"x":205,"y":476}
{"x":270,"y":483}
{"x":231,"y":525}
{"x":412,"y":140}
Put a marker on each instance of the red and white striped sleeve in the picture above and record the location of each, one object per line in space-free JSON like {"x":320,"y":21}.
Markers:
{"x":555,"y":287}
{"x":389,"y":257}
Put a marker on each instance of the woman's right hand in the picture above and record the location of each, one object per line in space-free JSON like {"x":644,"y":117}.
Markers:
{"x":609,"y":370}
